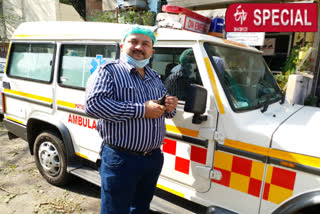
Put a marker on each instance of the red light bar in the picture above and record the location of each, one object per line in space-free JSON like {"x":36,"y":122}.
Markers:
{"x":182,"y":10}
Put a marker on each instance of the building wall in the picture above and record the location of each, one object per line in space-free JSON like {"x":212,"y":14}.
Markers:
{"x":36,"y":10}
{"x":109,"y":5}
{"x":65,"y":12}
{"x":2,"y":26}
{"x":28,"y":11}
{"x":39,"y":10}
{"x":308,"y":37}
{"x":93,"y":6}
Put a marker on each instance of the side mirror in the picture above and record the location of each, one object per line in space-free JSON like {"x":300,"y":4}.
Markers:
{"x":196,"y":103}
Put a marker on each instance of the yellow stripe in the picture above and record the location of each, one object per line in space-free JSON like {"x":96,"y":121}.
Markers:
{"x":170,"y":190}
{"x":214,"y":85}
{"x":15,"y":120}
{"x":33,"y":96}
{"x":275,"y":153}
{"x":67,"y":104}
{"x":81,"y":155}
{"x":183,"y":131}
{"x":247,"y":147}
{"x":5,"y":69}
{"x":23,"y":35}
{"x":42,"y":35}
{"x":296,"y":158}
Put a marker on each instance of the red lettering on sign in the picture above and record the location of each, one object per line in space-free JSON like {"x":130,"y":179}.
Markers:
{"x":75,"y":118}
{"x":82,"y":121}
{"x":85,"y":122}
{"x":190,"y":24}
{"x":79,"y":106}
{"x":94,"y":126}
{"x":199,"y":26}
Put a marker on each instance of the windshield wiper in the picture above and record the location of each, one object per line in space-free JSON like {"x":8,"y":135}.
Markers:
{"x":265,"y":104}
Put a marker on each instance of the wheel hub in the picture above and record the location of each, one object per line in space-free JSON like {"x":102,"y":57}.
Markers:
{"x":49,"y":158}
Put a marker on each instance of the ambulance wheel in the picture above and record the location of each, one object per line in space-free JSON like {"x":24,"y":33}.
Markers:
{"x":50,"y":158}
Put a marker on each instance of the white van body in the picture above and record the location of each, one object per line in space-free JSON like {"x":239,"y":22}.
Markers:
{"x":248,"y":151}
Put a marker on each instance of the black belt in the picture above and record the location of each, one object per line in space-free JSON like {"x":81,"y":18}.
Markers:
{"x":119,"y":149}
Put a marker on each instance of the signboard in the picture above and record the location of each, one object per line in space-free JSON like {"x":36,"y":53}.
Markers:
{"x":269,"y":46}
{"x":247,"y":38}
{"x":282,"y":17}
{"x":182,"y":18}
{"x":196,"y":25}
{"x":181,"y":21}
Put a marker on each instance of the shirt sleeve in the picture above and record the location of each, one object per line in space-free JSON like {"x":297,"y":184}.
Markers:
{"x":171,"y":114}
{"x":99,"y":102}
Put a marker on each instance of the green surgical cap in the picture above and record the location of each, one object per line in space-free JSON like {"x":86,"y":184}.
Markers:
{"x":139,"y":30}
{"x":187,"y":56}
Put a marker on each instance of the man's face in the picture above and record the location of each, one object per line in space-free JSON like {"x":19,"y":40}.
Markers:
{"x":138,"y":46}
{"x":186,"y":69}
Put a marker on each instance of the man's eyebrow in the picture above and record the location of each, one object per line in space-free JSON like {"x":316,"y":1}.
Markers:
{"x":144,"y":41}
{"x":147,"y":40}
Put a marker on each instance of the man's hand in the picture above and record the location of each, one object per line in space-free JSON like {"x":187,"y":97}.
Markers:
{"x":153,"y":109}
{"x":171,"y":103}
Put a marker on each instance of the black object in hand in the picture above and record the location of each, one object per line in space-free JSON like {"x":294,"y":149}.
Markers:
{"x":162,"y":100}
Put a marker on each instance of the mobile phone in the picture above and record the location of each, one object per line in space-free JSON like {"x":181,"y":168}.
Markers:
{"x":162,"y":100}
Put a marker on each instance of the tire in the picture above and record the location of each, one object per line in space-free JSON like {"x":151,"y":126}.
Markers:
{"x":51,"y":159}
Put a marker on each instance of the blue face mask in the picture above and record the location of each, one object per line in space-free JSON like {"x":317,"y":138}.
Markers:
{"x":136,"y":63}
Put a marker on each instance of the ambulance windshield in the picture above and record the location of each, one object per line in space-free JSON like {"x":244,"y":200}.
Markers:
{"x":245,"y":77}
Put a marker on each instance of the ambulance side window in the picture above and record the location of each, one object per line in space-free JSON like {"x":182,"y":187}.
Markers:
{"x":79,"y":61}
{"x":31,"y":61}
{"x":178,"y":69}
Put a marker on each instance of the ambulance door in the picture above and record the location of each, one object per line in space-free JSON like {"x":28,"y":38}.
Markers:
{"x":76,"y":63}
{"x":188,"y":153}
{"x":242,"y":137}
{"x":29,"y":68}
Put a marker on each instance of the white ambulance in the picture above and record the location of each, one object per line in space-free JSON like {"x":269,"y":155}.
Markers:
{"x":234,"y":146}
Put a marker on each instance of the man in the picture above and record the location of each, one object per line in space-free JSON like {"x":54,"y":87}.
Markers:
{"x":178,"y":82}
{"x":123,"y":95}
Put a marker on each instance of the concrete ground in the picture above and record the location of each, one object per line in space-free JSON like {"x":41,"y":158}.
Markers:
{"x":23,"y":190}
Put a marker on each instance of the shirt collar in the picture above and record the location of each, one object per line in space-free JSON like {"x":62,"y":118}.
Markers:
{"x":150,"y":73}
{"x":127,"y":65}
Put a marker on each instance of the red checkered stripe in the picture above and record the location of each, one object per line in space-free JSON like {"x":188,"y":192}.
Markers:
{"x":279,"y":184}
{"x":181,"y":155}
{"x":246,"y":175}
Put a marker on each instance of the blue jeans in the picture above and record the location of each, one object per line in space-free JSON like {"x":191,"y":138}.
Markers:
{"x":128,"y":181}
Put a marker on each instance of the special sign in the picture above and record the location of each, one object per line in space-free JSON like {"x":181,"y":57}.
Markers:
{"x":196,"y":25}
{"x":290,"y":17}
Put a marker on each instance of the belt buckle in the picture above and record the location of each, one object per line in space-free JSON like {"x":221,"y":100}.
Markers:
{"x":145,"y":153}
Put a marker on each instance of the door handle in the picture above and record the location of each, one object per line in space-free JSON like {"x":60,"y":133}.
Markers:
{"x":6,"y":85}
